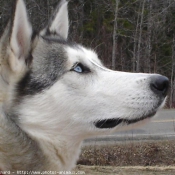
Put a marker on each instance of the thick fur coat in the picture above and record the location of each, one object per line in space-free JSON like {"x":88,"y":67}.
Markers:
{"x":54,"y":94}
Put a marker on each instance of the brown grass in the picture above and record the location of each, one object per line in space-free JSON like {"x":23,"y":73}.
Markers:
{"x":108,"y":170}
{"x":150,"y":153}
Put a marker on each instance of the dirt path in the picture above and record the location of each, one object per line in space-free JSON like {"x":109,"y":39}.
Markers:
{"x":107,"y":170}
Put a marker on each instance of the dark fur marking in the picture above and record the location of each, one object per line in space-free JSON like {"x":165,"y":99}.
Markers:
{"x":29,"y":59}
{"x":31,"y":86}
{"x":45,"y":70}
{"x":34,"y":35}
{"x":60,"y":40}
{"x":28,"y":86}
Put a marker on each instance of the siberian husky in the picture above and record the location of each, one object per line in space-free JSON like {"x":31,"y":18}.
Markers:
{"x":54,"y":94}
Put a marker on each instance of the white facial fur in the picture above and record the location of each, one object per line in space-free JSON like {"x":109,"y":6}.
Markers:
{"x":77,"y":100}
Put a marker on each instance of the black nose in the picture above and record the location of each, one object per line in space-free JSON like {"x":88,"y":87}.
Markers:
{"x":159,"y":85}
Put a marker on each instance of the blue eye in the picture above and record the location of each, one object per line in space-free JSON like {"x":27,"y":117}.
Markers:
{"x":80,"y":68}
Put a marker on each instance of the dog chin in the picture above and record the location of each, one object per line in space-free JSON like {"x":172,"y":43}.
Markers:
{"x":112,"y":123}
{"x":134,"y":125}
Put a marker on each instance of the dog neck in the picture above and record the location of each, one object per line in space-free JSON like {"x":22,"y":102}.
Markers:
{"x":62,"y":153}
{"x":18,"y":150}
{"x":24,"y":151}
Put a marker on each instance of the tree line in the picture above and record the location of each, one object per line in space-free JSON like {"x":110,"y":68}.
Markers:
{"x":133,"y":36}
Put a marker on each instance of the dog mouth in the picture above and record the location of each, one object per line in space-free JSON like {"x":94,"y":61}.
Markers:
{"x":111,"y":123}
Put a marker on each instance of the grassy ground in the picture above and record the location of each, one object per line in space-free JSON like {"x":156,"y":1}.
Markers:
{"x":149,"y":153}
{"x":130,"y":158}
{"x":139,"y":170}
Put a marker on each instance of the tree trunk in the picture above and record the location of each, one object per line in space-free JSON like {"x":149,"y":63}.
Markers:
{"x":149,"y":46}
{"x":115,"y":37}
{"x":135,"y":43}
{"x":81,"y":19}
{"x":172,"y":81}
{"x":140,"y":38}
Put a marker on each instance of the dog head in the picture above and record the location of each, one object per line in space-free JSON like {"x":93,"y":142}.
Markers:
{"x":63,"y":89}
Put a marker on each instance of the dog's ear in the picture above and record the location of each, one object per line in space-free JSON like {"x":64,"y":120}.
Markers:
{"x":20,"y":37}
{"x":59,"y":22}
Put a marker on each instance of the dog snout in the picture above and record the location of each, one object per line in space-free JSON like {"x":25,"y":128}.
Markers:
{"x":159,"y":85}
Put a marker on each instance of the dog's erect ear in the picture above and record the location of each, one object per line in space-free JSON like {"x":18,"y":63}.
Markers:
{"x":59,"y":22}
{"x":20,"y":37}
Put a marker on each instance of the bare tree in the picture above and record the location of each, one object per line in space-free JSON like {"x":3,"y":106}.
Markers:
{"x":135,"y":43}
{"x":172,"y":81}
{"x":149,"y":33}
{"x":140,"y":38}
{"x":115,"y":36}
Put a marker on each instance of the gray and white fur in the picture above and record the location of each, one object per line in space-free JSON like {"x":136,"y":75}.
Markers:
{"x":54,"y":94}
